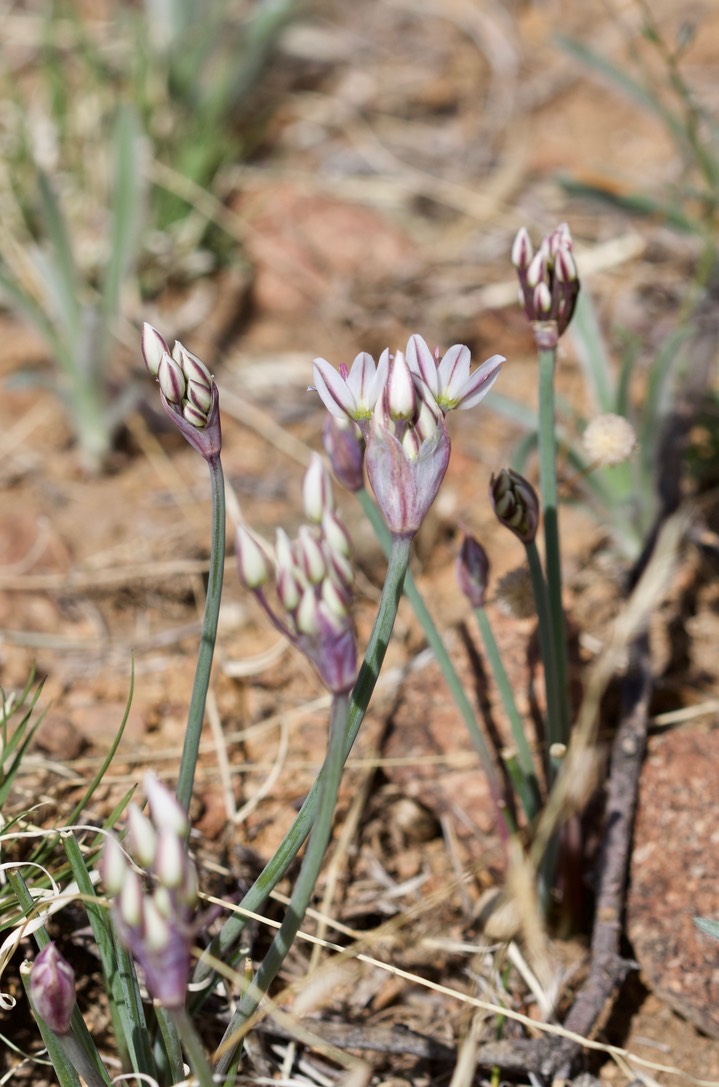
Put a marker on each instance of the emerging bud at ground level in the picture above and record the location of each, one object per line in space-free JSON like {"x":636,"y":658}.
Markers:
{"x":473,"y":571}
{"x":515,"y":503}
{"x":52,"y":989}
{"x":609,"y":439}
{"x":548,"y":283}
{"x":188,"y":392}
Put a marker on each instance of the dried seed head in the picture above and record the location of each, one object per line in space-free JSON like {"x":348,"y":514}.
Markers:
{"x":609,"y":439}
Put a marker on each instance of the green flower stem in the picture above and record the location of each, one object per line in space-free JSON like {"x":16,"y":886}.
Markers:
{"x":184,"y":1027}
{"x":524,"y":776}
{"x":224,"y":943}
{"x":547,"y":646}
{"x":196,"y":712}
{"x":550,"y":508}
{"x":436,"y":644}
{"x":302,"y":893}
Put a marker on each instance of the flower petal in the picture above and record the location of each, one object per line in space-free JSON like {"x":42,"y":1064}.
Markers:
{"x":453,"y":371}
{"x":480,"y":382}
{"x":334,"y":391}
{"x":421,"y":361}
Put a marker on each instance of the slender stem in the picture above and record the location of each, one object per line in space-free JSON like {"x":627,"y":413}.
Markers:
{"x":302,"y":893}
{"x":436,"y":644}
{"x":548,"y":481}
{"x":170,"y":1033}
{"x":193,"y":1046}
{"x":291,"y":844}
{"x":547,"y":647}
{"x":196,"y":712}
{"x":524,"y":778}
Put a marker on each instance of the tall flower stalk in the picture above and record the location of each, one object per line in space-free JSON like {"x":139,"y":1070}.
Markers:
{"x":549,"y":286}
{"x":191,"y":399}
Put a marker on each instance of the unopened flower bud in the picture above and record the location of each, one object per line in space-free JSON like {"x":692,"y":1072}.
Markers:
{"x":52,"y":989}
{"x":252,"y":562}
{"x":171,"y":379}
{"x":193,"y":415}
{"x":522,"y":250}
{"x":473,"y":571}
{"x":515,"y":503}
{"x":193,"y":368}
{"x":153,"y":348}
{"x":113,"y":866}
{"x":141,"y":837}
{"x":312,"y":561}
{"x":401,"y":396}
{"x":317,"y":490}
{"x":609,"y":439}
{"x":344,"y":446}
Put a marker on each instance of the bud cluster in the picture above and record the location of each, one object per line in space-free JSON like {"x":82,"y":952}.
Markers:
{"x":312,"y":578}
{"x":548,"y":282}
{"x":153,"y":912}
{"x":188,"y":390}
{"x":515,"y":504}
{"x":399,"y":404}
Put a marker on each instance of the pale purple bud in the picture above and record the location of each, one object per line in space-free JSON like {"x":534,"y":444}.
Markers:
{"x":289,"y":591}
{"x":536,"y":270}
{"x":344,"y":446}
{"x":306,"y":617}
{"x":199,"y":396}
{"x":130,"y":900}
{"x":154,"y":346}
{"x":141,"y":837}
{"x":335,"y":534}
{"x":473,"y":571}
{"x":171,"y":860}
{"x":166,"y":811}
{"x":565,"y":267}
{"x":311,"y":558}
{"x":113,"y":866}
{"x":192,"y":367}
{"x":335,"y":601}
{"x":284,"y":555}
{"x":252,"y":563}
{"x":317,"y":490}
{"x":542,"y":300}
{"x":157,"y":932}
{"x":194,"y":416}
{"x":405,"y":487}
{"x":522,"y":250}
{"x":401,"y":400}
{"x":171,"y":380}
{"x":52,"y":989}
{"x":515,"y":503}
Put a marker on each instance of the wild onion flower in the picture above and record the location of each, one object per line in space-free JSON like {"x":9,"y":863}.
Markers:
{"x":399,"y":405}
{"x":153,"y":911}
{"x":52,"y":989}
{"x":609,"y":439}
{"x":188,"y":391}
{"x":515,"y":504}
{"x":449,"y":380}
{"x":312,"y":580}
{"x":548,"y":282}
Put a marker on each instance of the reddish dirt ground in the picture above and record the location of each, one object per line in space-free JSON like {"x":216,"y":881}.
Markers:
{"x":411,"y":143}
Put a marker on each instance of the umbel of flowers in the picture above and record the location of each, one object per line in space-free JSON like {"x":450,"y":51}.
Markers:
{"x":312,"y":581}
{"x":399,"y":405}
{"x":154,"y":899}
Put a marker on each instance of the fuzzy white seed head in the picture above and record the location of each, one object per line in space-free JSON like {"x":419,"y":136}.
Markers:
{"x":609,"y":439}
